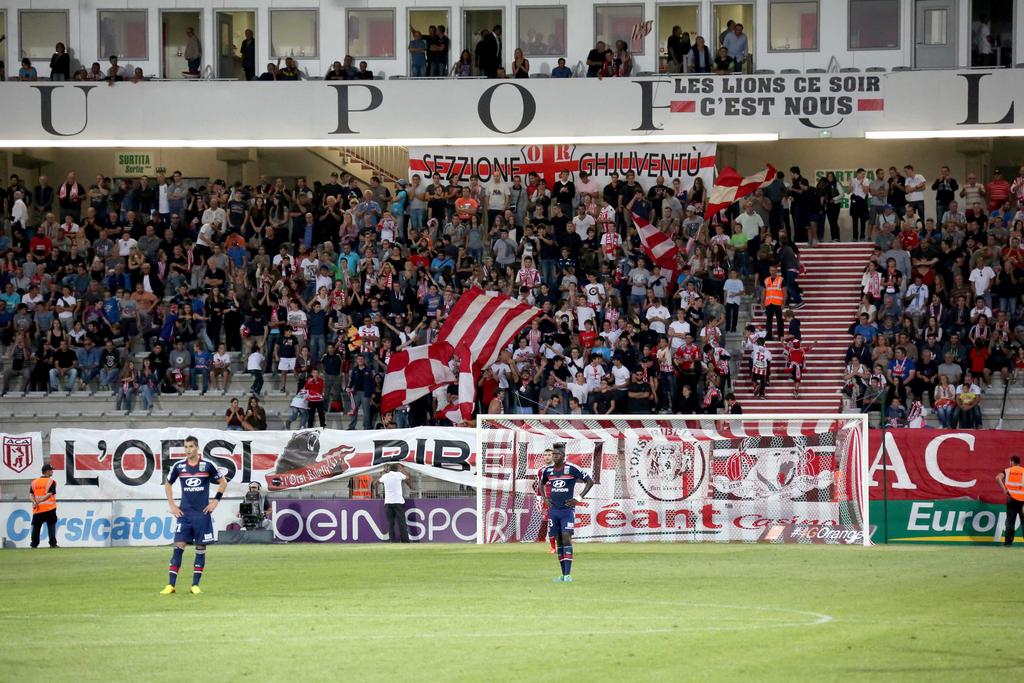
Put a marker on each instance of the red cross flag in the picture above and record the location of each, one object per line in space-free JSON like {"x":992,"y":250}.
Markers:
{"x":729,"y":187}
{"x":658,"y":246}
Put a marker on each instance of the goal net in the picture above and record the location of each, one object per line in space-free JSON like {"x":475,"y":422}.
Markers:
{"x":778,"y":479}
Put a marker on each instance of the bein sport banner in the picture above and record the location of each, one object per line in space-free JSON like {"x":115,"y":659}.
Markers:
{"x":133,"y":464}
{"x":686,"y":162}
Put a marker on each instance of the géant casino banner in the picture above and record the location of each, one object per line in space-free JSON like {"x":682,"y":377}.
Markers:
{"x":133,"y":464}
{"x":502,"y":112}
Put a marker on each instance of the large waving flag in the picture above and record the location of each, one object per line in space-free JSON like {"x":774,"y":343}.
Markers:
{"x":478,"y":327}
{"x":729,"y":187}
{"x":659,"y":247}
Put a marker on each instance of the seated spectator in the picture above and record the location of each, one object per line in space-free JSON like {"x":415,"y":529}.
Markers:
{"x":561,"y":71}
{"x":114,"y":71}
{"x":270,"y":74}
{"x":464,"y":67}
{"x":27,"y":72}
{"x":364,"y":73}
{"x":290,"y":72}
{"x":724,"y":64}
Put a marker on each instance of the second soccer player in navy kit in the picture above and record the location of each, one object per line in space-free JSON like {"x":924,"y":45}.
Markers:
{"x":195,"y":513}
{"x":558,"y":483}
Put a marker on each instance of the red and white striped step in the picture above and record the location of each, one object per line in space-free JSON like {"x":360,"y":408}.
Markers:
{"x":831,"y":287}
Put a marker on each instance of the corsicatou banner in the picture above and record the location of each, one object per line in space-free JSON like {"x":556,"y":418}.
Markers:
{"x":503,"y":112}
{"x":133,"y":464}
{"x":22,"y":456}
{"x":686,"y":162}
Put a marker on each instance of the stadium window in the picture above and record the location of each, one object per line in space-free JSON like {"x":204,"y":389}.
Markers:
{"x":40,"y":30}
{"x":123,"y":33}
{"x":874,"y":24}
{"x":294,"y":33}
{"x":686,"y":17}
{"x":370,"y":34}
{"x":541,"y":31}
{"x":793,"y":26}
{"x":617,"y":22}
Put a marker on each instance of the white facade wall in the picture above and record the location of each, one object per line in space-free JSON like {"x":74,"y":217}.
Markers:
{"x":833,"y":23}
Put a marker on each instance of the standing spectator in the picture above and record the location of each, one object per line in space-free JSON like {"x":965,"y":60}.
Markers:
{"x":193,"y":52}
{"x":774,"y":298}
{"x":417,"y":55}
{"x":300,"y":409}
{"x":363,"y":385}
{"x":60,"y":64}
{"x":486,"y":54}
{"x":860,"y":191}
{"x":1011,"y":480}
{"x":997,"y":190}
{"x":439,"y":46}
{"x":945,"y":189}
{"x":735,"y":42}
{"x":254,"y":366}
{"x":678,"y":48}
{"x":248,"y":51}
{"x":595,"y":59}
{"x":392,"y":482}
{"x":700,"y":57}
{"x":314,"y":388}
{"x":915,"y":183}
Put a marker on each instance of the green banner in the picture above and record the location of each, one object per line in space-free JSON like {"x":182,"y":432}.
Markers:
{"x":960,"y":520}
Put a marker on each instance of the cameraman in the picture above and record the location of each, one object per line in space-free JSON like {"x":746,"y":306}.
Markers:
{"x":255,"y":511}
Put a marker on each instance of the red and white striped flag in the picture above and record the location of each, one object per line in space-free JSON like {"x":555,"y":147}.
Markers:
{"x":658,"y":246}
{"x":414,"y":373}
{"x":485,"y":323}
{"x":478,"y":327}
{"x":729,"y":187}
{"x":460,"y":410}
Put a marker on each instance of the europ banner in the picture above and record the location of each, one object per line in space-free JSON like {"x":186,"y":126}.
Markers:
{"x":939,"y":486}
{"x":133,"y":464}
{"x":364,"y":521}
{"x":102,"y":524}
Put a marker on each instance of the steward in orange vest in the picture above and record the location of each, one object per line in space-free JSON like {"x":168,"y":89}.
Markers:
{"x":1011,"y":480}
{"x":774,"y":297}
{"x":362,"y":486}
{"x":44,"y":506}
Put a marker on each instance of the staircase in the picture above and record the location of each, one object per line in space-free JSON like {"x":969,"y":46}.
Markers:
{"x":831,"y":287}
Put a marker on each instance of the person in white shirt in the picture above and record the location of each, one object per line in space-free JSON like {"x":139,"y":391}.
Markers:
{"x":497,"y":198}
{"x":125,"y":245}
{"x":621,"y":374}
{"x":914,"y":183}
{"x":215,"y":214}
{"x":587,"y":185}
{"x":582,"y":220}
{"x":19,"y":211}
{"x":678,"y":329}
{"x":579,"y":389}
{"x":981,"y":277}
{"x":593,"y":373}
{"x":254,"y":366}
{"x":501,"y":371}
{"x":750,"y":221}
{"x":392,"y":481}
{"x":658,"y":316}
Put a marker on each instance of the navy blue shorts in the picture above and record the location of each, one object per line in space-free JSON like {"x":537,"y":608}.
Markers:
{"x":560,"y":520}
{"x":194,"y":527}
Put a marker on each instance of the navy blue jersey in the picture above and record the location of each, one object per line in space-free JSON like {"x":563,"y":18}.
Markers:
{"x":561,"y":482}
{"x":195,"y":483}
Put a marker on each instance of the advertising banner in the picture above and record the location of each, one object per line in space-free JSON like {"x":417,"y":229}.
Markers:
{"x":685,"y":162}
{"x":488,"y":112}
{"x":133,"y":464}
{"x":99,"y":524}
{"x":959,"y":520}
{"x":926,"y":464}
{"x":438,"y":520}
{"x":22,"y":456}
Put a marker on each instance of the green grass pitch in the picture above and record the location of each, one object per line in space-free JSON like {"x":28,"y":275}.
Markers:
{"x":640,"y":612}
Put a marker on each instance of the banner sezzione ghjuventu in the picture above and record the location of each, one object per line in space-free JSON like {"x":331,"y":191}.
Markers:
{"x":939,"y":486}
{"x":127,"y":464}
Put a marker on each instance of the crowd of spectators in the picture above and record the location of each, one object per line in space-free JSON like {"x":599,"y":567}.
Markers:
{"x":158,"y":286}
{"x":941,"y":309}
{"x":429,"y":55}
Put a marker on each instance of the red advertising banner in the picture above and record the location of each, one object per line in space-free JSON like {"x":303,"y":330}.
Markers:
{"x":930,"y":464}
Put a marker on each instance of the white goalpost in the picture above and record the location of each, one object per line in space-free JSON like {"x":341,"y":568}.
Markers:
{"x":702,"y":478}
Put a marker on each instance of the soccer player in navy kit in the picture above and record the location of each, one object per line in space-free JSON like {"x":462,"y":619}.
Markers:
{"x":558,"y":482}
{"x":195,"y":520}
